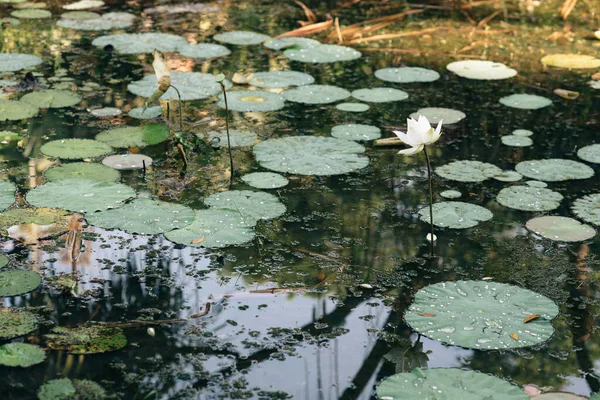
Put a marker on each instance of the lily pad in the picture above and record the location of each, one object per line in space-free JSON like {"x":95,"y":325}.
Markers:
{"x":106,"y":112}
{"x":144,"y":216}
{"x":481,"y":315}
{"x":7,"y":194}
{"x":191,"y":86}
{"x":561,"y":229}
{"x":249,"y":204}
{"x":356,"y":132}
{"x":127,"y":161}
{"x":316,"y":94}
{"x":522,"y":132}
{"x":590,"y":153}
{"x":80,"y":195}
{"x":237,"y":138}
{"x":88,"y":390}
{"x":407,"y":75}
{"x":554,"y":170}
{"x":21,"y":355}
{"x":538,"y":184}
{"x":139,"y":43}
{"x":106,"y":22}
{"x":57,"y":389}
{"x":571,"y":61}
{"x":379,"y":95}
{"x":52,"y":98}
{"x":11,"y":62}
{"x":284,"y":43}
{"x":134,"y":136}
{"x":204,"y":51}
{"x":73,"y":149}
{"x":437,"y":114}
{"x":468,"y":171}
{"x":481,"y":70}
{"x":31,"y":13}
{"x":241,"y":38}
{"x":526,"y":101}
{"x":188,"y":8}
{"x":322,"y":53}
{"x":265,"y":180}
{"x":214,"y":228}
{"x":86,"y":339}
{"x":352,"y":107}
{"x":447,"y":383}
{"x":528,"y":198}
{"x":509,"y":176}
{"x":3,"y":261}
{"x":32,"y":224}
{"x":11,"y":22}
{"x":15,"y":110}
{"x":310,"y":155}
{"x":16,"y":282}
{"x":456,"y":214}
{"x":84,"y":5}
{"x":451,"y":194}
{"x":82,"y":170}
{"x":252,"y":101}
{"x":16,"y":323}
{"x":80,"y":15}
{"x":280,"y":79}
{"x":588,"y":208}
{"x":516,"y":141}
{"x":148,"y":113}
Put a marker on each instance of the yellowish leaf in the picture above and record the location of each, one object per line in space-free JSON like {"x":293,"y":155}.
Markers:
{"x":199,"y":240}
{"x":566,"y":94}
{"x":514,"y":336}
{"x":426,"y":315}
{"x":531,"y":318}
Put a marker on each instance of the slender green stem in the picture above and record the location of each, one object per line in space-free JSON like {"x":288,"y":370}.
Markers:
{"x":430,"y":177}
{"x":180,"y":109}
{"x":227,"y":128}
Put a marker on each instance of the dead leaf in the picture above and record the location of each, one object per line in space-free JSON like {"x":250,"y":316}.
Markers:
{"x":596,"y":76}
{"x":241,"y":78}
{"x":531,"y":318}
{"x":307,"y":30}
{"x":514,"y":336}
{"x":487,"y":278}
{"x":199,"y":240}
{"x":566,"y":94}
{"x":426,"y":315}
{"x":310,"y":16}
{"x":163,"y":77}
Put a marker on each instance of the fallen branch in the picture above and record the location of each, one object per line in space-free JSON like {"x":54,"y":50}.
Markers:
{"x":394,"y":35}
{"x":307,"y":30}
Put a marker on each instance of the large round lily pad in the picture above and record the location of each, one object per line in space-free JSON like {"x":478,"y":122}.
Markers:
{"x":237,"y":138}
{"x":214,"y":228}
{"x":57,"y":389}
{"x":322,"y":53}
{"x":379,"y":95}
{"x":73,"y":149}
{"x":127,"y":161}
{"x":588,"y":208}
{"x":86,"y":339}
{"x":52,"y":98}
{"x":191,"y":86}
{"x":16,"y":282}
{"x":280,"y":79}
{"x":249,"y":204}
{"x":241,"y":38}
{"x":21,"y":355}
{"x":407,"y":75}
{"x":16,"y":323}
{"x":15,"y":110}
{"x":528,"y":198}
{"x":526,"y":101}
{"x":11,"y":62}
{"x":204,"y":51}
{"x":144,"y":216}
{"x":468,"y":171}
{"x":252,"y":101}
{"x":138,"y":43}
{"x":32,"y":224}
{"x":447,"y":384}
{"x":571,"y":61}
{"x":563,"y":229}
{"x":106,"y":22}
{"x":554,"y":170}
{"x":82,"y":170}
{"x":284,"y":43}
{"x":83,"y":5}
{"x":31,"y":13}
{"x":590,"y":153}
{"x":80,"y":195}
{"x":7,"y":194}
{"x":310,"y":155}
{"x":451,"y":194}
{"x":316,"y":94}
{"x":134,"y":136}
{"x":265,"y":180}
{"x":3,"y":261}
{"x":455,"y":214}
{"x":356,"y":132}
{"x":509,"y":176}
{"x":148,"y":113}
{"x":352,"y":107}
{"x":482,"y":315}
{"x":436,"y":114}
{"x":481,"y":70}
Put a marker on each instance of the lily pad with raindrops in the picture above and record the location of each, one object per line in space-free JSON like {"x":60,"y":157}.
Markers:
{"x":456,"y":214}
{"x":16,"y":323}
{"x":481,"y":70}
{"x":380,"y":95}
{"x":562,"y":229}
{"x":528,"y":198}
{"x":352,"y":107}
{"x":407,"y":75}
{"x":11,"y":110}
{"x":237,"y":138}
{"x":204,"y":51}
{"x":127,"y":161}
{"x":322,"y":54}
{"x":105,"y":22}
{"x":139,"y":43}
{"x":588,"y":208}
{"x":437,"y":114}
{"x":554,"y":170}
{"x":57,"y":389}
{"x":134,"y":136}
{"x":52,"y":98}
{"x":191,"y":86}
{"x":509,"y":176}
{"x":248,"y":204}
{"x":590,"y":153}
{"x":265,"y":180}
{"x":286,"y":42}
{"x":482,"y":315}
{"x":280,"y":79}
{"x":316,"y":94}
{"x":451,"y":194}
{"x":16,"y":282}
{"x":21,"y":355}
{"x":11,"y":62}
{"x":357,"y":132}
{"x":468,"y":171}
{"x":74,"y":149}
{"x":526,"y":101}
{"x":86,"y":339}
{"x":241,"y":38}
{"x":252,"y":101}
{"x":148,"y":113}
{"x":516,"y":141}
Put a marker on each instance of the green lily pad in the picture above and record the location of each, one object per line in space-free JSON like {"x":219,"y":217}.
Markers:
{"x":554,"y":170}
{"x":139,"y":43}
{"x":249,"y":204}
{"x":148,"y":113}
{"x":15,"y":110}
{"x":481,"y":315}
{"x":80,"y":15}
{"x":88,"y":390}
{"x":21,"y":355}
{"x":106,"y":22}
{"x":509,"y":176}
{"x":588,"y":208}
{"x":214,"y":228}
{"x":526,"y":101}
{"x":31,"y":13}
{"x":16,"y":323}
{"x":252,"y":101}
{"x":456,"y":214}
{"x":280,"y":79}
{"x":51,"y":98}
{"x":11,"y":62}
{"x":30,"y":4}
{"x":356,"y":132}
{"x":106,"y":112}
{"x":481,"y":70}
{"x":237,"y":138}
{"x":241,"y":38}
{"x":447,"y":383}
{"x":284,"y":43}
{"x":527,"y":198}
{"x":57,"y":389}
{"x":451,"y":194}
{"x":16,"y":282}
{"x":3,"y":261}
{"x":86,"y":339}
{"x":264,"y":180}
{"x":322,"y":53}
{"x":516,"y":141}
{"x":82,"y":170}
{"x":7,"y":194}
{"x":379,"y":95}
{"x":310,"y":155}
{"x":9,"y":138}
{"x":522,"y":132}
{"x":437,"y":114}
{"x":84,"y":5}
{"x":571,"y":61}
{"x":352,"y":107}
{"x":468,"y":171}
{"x":80,"y":195}
{"x":31,"y":224}
{"x":127,"y":161}
{"x":204,"y":51}
{"x":73,"y":149}
{"x":11,"y":22}
{"x":590,"y":153}
{"x":407,"y":75}
{"x":538,"y":184}
{"x":134,"y":136}
{"x":316,"y":94}
{"x":144,"y":216}
{"x":561,"y":229}
{"x":188,"y":8}
{"x":191,"y":86}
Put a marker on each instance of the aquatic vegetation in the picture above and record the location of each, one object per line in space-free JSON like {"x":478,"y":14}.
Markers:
{"x":11,"y":62}
{"x":437,"y":114}
{"x":316,"y":94}
{"x":7,"y":194}
{"x":528,"y":198}
{"x":86,"y":339}
{"x":252,"y":101}
{"x":139,"y":43}
{"x":248,"y":204}
{"x":75,"y":149}
{"x":204,"y":51}
{"x":265,"y":180}
{"x":322,"y":53}
{"x":32,"y":224}
{"x":52,"y":98}
{"x":31,"y":13}
{"x":237,"y":138}
{"x":407,"y":75}
{"x":526,"y":101}
{"x":570,"y":61}
{"x":241,"y":38}
{"x":516,"y":141}
{"x":481,"y":70}
{"x":468,"y":171}
{"x":16,"y":282}
{"x":127,"y":161}
{"x":16,"y":323}
{"x":145,"y":113}
{"x":455,"y":214}
{"x":352,"y":107}
{"x":588,"y":208}
{"x":379,"y":95}
{"x":590,"y":153}
{"x":563,"y":229}
{"x":191,"y":86}
{"x":21,"y":355}
{"x":16,"y":110}
{"x":280,"y":79}
{"x":134,"y":136}
{"x":83,"y":5}
{"x":357,"y":132}
{"x":554,"y":170}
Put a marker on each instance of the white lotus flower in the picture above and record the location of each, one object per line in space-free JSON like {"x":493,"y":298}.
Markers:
{"x":420,"y":134}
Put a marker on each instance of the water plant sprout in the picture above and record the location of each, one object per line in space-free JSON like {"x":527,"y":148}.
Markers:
{"x":221,"y":80}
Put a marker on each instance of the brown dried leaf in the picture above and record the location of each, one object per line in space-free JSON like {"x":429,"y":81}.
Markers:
{"x":531,"y":318}
{"x":596,"y":76}
{"x":307,"y":30}
{"x":426,"y":315}
{"x":199,"y":240}
{"x":310,"y":16}
{"x":566,"y":94}
{"x":241,"y":78}
{"x":514,"y":336}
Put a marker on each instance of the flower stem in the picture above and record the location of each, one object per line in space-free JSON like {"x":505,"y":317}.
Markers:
{"x":227,"y":129}
{"x":430,"y":195}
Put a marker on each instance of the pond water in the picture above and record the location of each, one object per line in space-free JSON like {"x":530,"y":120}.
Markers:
{"x":312,"y":304}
